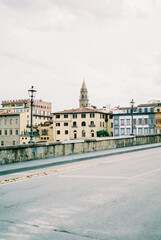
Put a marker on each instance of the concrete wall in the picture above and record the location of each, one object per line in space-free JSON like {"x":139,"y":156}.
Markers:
{"x":20,"y":153}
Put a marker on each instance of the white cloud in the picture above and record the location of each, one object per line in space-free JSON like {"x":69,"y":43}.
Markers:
{"x":115,"y":45}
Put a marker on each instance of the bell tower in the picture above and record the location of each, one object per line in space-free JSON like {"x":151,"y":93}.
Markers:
{"x":83,"y":100}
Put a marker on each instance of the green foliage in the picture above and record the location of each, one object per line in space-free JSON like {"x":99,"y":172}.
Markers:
{"x":102,"y":133}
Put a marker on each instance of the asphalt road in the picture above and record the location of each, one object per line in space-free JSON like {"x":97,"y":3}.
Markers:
{"x":115,"y":197}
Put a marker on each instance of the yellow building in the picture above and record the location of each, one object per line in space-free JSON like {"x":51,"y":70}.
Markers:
{"x":22,"y":109}
{"x":158,"y":118}
{"x":46,"y":131}
{"x":81,"y":123}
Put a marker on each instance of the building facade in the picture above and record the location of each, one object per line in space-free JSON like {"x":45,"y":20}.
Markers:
{"x":158,"y":118}
{"x":46,"y":131}
{"x":81,"y":123}
{"x":143,"y":120}
{"x":22,"y":109}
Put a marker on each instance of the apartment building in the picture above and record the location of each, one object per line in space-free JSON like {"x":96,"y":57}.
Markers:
{"x":22,"y":108}
{"x":46,"y":131}
{"x":80,"y":123}
{"x":158,"y":118}
{"x":143,"y":120}
{"x":10,"y":128}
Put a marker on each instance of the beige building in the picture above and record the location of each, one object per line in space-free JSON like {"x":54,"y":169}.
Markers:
{"x":158,"y":118}
{"x":22,"y":108}
{"x":10,"y":128}
{"x":81,"y":123}
{"x":46,"y":131}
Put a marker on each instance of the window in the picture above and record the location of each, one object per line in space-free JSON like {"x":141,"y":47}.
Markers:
{"x":83,"y":124}
{"x":13,"y":142}
{"x":75,"y":134}
{"x":122,"y":131}
{"x":16,"y":121}
{"x":116,"y":132}
{"x":0,"y":132}
{"x":127,"y":131}
{"x":140,"y":121}
{"x":146,"y":121}
{"x":74,"y":124}
{"x":74,"y":115}
{"x":83,"y":115}
{"x":122,"y":122}
{"x":11,"y":121}
{"x":16,"y":132}
{"x":2,"y":143}
{"x":92,"y":123}
{"x":66,"y":131}
{"x":140,"y":131}
{"x":5,"y":132}
{"x":0,"y":121}
{"x":92,"y":133}
{"x":146,"y":131}
{"x":65,"y":115}
{"x":111,"y":125}
{"x":58,"y":132}
{"x":146,"y":110}
{"x":128,"y":122}
{"x":152,"y":109}
{"x":116,"y":122}
{"x":140,"y":110}
{"x":10,"y":132}
{"x":58,"y":124}
{"x":158,"y":110}
{"x":92,"y":115}
{"x":151,"y":121}
{"x":134,"y":121}
{"x":83,"y":133}
{"x":5,"y":122}
{"x":57,"y":116}
{"x":66,"y":124}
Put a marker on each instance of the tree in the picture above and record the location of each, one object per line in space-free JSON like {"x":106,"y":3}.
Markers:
{"x":102,"y":133}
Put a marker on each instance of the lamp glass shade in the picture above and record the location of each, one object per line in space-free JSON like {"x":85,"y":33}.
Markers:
{"x":132,"y":102}
{"x":32,"y":92}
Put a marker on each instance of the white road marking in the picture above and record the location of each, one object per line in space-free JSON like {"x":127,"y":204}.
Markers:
{"x":94,"y":177}
{"x":146,"y":173}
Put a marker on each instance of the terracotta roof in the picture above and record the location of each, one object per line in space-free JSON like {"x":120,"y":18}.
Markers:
{"x":146,"y":105}
{"x":9,"y":114}
{"x":80,"y":110}
{"x":16,"y":101}
{"x":125,"y":108}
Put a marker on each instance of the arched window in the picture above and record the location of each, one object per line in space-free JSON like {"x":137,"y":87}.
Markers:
{"x":92,"y":133}
{"x":83,"y":124}
{"x":75,"y":134}
{"x":83,"y":133}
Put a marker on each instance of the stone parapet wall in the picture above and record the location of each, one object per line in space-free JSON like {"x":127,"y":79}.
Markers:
{"x":20,"y":153}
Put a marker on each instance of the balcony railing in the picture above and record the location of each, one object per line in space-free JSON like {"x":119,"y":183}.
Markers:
{"x":92,"y":125}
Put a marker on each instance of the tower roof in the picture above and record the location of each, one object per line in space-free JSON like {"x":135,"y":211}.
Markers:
{"x":84,"y":85}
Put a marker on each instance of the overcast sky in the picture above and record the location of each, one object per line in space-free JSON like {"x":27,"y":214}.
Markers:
{"x":115,"y":45}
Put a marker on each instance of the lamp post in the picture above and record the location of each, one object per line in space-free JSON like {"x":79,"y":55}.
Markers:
{"x":32,"y":93}
{"x":132,"y":107}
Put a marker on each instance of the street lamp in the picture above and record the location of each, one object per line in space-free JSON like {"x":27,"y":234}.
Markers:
{"x":132,"y":107}
{"x":32,"y":93}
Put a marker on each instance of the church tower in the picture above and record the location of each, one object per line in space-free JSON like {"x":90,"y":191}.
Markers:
{"x":83,"y":100}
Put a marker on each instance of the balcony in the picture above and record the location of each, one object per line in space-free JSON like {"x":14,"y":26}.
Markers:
{"x":92,"y":125}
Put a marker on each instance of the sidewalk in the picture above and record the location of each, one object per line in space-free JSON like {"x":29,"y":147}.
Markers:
{"x":44,"y":163}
